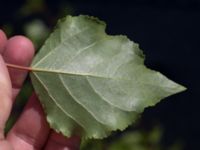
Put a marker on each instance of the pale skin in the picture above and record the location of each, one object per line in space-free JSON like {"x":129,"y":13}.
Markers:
{"x":31,"y":131}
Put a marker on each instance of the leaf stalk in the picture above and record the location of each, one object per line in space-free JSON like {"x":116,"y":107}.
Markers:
{"x":19,"y":67}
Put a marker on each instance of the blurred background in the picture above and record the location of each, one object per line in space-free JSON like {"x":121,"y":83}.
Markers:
{"x":168,"y":32}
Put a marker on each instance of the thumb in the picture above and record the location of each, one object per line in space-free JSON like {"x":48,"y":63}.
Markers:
{"x":5,"y":96}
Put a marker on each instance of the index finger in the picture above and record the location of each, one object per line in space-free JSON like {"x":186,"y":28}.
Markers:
{"x":19,"y":51}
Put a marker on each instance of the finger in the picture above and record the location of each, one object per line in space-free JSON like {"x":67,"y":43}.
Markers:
{"x":59,"y":142}
{"x":19,"y":50}
{"x":5,"y":96}
{"x":3,"y":40}
{"x":5,"y":145}
{"x":31,"y":130}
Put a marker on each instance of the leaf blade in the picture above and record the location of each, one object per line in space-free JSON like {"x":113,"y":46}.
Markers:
{"x":95,"y":82}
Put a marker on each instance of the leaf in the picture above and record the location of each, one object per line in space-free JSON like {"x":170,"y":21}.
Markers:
{"x":93,"y":83}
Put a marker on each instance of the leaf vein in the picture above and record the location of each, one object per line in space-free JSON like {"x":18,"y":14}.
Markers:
{"x":81,"y":51}
{"x":60,"y":44}
{"x":56,"y":103}
{"x":94,"y":76}
{"x":102,"y":97}
{"x":77,"y":101}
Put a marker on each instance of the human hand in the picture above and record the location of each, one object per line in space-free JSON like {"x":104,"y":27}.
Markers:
{"x":31,"y":131}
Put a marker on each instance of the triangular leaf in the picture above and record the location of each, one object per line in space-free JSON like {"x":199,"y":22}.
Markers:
{"x":93,"y":83}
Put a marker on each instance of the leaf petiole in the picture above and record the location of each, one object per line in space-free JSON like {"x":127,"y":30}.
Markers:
{"x":19,"y":67}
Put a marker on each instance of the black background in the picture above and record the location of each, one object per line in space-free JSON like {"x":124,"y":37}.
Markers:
{"x":168,"y":32}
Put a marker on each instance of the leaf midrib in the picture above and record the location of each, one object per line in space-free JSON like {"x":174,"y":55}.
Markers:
{"x":95,"y":76}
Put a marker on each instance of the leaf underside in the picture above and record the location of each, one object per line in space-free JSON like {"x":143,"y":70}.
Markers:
{"x":92,"y":83}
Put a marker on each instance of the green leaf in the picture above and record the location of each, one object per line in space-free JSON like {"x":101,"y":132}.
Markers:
{"x":91,"y":83}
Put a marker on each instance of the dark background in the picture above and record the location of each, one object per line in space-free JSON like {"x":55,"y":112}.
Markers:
{"x":168,"y":32}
